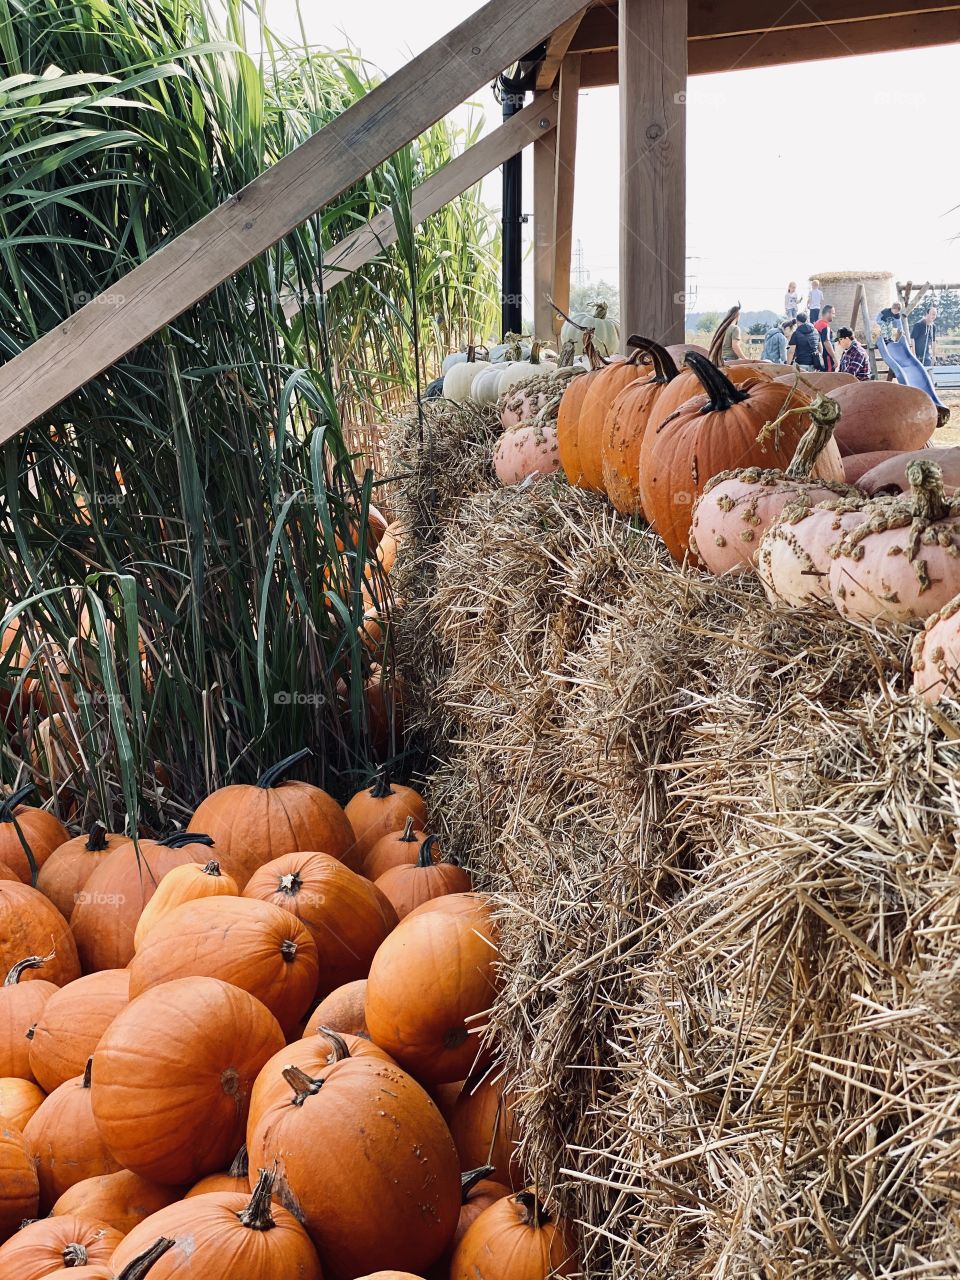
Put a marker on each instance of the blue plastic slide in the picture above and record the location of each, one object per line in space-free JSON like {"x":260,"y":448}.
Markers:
{"x":908,"y":370}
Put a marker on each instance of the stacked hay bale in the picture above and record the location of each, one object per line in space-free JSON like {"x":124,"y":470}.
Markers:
{"x":727,"y":845}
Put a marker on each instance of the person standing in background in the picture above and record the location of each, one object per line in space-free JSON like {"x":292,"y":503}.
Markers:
{"x":731,"y":349}
{"x":923,"y":335}
{"x":826,"y":337}
{"x":791,"y":301}
{"x":804,"y":346}
{"x":815,"y":299}
{"x":775,"y":343}
{"x":854,"y":359}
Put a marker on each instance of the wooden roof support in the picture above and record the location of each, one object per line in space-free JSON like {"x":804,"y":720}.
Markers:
{"x":544,"y":230}
{"x":226,"y":239}
{"x":452,"y":180}
{"x":653,"y":82}
{"x":565,"y":183}
{"x":557,"y":47}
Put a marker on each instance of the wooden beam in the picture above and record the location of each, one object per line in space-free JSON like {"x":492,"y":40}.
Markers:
{"x":557,"y":47}
{"x":653,"y":82}
{"x":229,"y":237}
{"x":565,"y":182}
{"x":448,"y":182}
{"x":544,"y":234}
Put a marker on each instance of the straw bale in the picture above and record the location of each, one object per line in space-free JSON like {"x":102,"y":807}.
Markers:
{"x":725,"y":840}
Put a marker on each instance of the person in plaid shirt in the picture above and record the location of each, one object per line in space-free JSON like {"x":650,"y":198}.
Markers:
{"x":854,"y":359}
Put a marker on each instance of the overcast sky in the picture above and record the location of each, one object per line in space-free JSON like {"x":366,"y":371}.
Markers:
{"x":839,"y":165}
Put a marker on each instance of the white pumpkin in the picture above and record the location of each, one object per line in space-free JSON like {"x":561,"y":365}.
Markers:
{"x":521,"y":371}
{"x":486,"y":386}
{"x":606,"y":332}
{"x":459,"y":378}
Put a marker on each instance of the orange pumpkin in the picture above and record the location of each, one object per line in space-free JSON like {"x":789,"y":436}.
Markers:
{"x":624,"y":427}
{"x":477,"y":1192}
{"x":408,"y":887}
{"x":225,"y":1234}
{"x":44,"y":1247}
{"x":187,"y":883}
{"x":475,"y":905}
{"x":396,"y":849}
{"x":139,"y":1268}
{"x":64,"y":874}
{"x":596,"y":405}
{"x":382,"y":808}
{"x":120,"y":1199}
{"x":206,"y":1040}
{"x":21,"y":1007}
{"x":568,"y":417}
{"x":480,"y":1117}
{"x":437,"y":1037}
{"x":392,"y":1198}
{"x":255,"y":824}
{"x":28,"y":836}
{"x":346,"y":915}
{"x":71,"y":1024}
{"x":254,"y":945}
{"x":517,"y":1237}
{"x":236,"y":1178}
{"x":32,"y":926}
{"x":19,"y":1184}
{"x":65,"y":1142}
{"x":111,"y":902}
{"x":341,"y":1010}
{"x":19,"y":1100}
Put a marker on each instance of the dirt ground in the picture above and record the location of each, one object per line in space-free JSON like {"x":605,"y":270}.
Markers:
{"x":950,"y":434}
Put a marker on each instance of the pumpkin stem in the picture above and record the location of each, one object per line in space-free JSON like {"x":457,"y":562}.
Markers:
{"x":97,"y":838}
{"x":469,"y":1180}
{"x":721,"y":392}
{"x":288,"y":949}
{"x":535,"y":1214}
{"x":560,"y":312}
{"x":597,"y":361}
{"x":303,"y":1086}
{"x":137,"y":1268}
{"x":87,"y":1073}
{"x":290,"y":883}
{"x":272,"y":776}
{"x":927,"y":499}
{"x":825,"y":414}
{"x":471,"y":354}
{"x":664,"y":366}
{"x":15,"y":798}
{"x":74,"y":1255}
{"x":716,"y":342}
{"x":340,"y":1049}
{"x":257,"y":1215}
{"x":567,"y":355}
{"x":180,"y":839}
{"x":425,"y":854}
{"x":241,"y":1164}
{"x":599,"y":311}
{"x":31,"y":962}
{"x":407,"y":836}
{"x":381,"y":787}
{"x":212,"y":868}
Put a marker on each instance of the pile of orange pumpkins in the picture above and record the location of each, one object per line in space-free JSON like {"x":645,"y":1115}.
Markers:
{"x":256,"y":1049}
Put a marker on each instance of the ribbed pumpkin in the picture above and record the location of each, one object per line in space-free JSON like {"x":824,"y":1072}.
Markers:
{"x":28,"y":835}
{"x":717,"y":431}
{"x":346,"y":916}
{"x":517,"y":1237}
{"x":380,"y":809}
{"x":188,"y":883}
{"x":64,"y":1140}
{"x":596,"y":404}
{"x":341,"y":1010}
{"x":19,"y":1185}
{"x":313,"y":1055}
{"x":224,"y":1234}
{"x":254,"y":945}
{"x":65,"y":873}
{"x":477,"y":1193}
{"x":236,"y":1178}
{"x":32,"y":926}
{"x":430,"y":1034}
{"x":19,"y":1100}
{"x":205,"y":1041}
{"x":21,"y":1006}
{"x":392,"y":1197}
{"x":410,"y":885}
{"x":46,"y":1246}
{"x":72,"y":1022}
{"x":105,"y":918}
{"x":568,"y":414}
{"x":479,"y":1115}
{"x":255,"y":824}
{"x":624,"y":427}
{"x":120,"y":1199}
{"x":396,"y":849}
{"x":139,"y":1268}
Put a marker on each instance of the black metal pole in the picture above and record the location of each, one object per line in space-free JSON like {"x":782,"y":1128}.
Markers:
{"x":511,"y":282}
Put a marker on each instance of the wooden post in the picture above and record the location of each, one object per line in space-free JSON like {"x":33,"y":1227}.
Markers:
{"x":565,"y":182}
{"x":653,"y":84}
{"x":544,"y":236}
